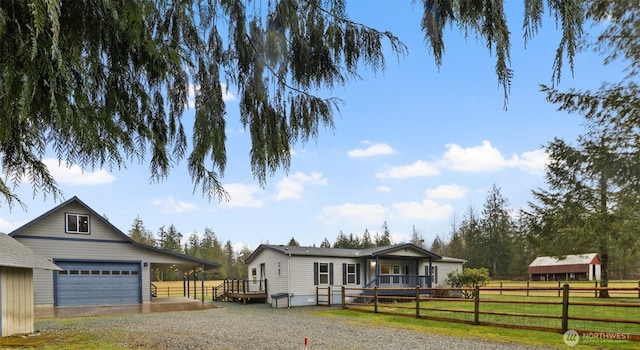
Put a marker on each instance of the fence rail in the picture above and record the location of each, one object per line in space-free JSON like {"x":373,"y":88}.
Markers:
{"x":537,"y":308}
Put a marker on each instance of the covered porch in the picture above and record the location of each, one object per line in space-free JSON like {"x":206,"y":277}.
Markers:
{"x":403,"y":266}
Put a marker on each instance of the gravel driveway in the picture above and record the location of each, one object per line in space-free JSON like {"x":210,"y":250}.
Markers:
{"x":258,"y":326}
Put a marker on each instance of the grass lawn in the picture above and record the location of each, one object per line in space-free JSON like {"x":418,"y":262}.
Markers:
{"x":462,"y":310}
{"x":493,"y":334}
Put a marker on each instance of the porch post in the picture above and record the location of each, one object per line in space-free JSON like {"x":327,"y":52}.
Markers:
{"x":377,"y":271}
{"x":202,"y":282}
{"x":418,"y":273}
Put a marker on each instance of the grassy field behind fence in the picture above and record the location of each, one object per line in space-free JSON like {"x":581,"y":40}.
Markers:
{"x":541,"y":309}
{"x":175,"y":288}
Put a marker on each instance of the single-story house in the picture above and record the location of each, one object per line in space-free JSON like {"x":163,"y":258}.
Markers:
{"x":295,"y":272}
{"x":581,"y":267}
{"x":101,"y":265}
{"x":16,"y":285}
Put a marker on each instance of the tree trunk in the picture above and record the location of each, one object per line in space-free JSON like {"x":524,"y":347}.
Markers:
{"x":604,"y":267}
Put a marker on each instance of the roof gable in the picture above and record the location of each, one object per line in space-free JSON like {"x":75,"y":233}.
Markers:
{"x":113,"y":232}
{"x":15,"y":254}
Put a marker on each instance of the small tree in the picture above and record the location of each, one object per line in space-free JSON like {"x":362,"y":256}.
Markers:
{"x":467,"y":279}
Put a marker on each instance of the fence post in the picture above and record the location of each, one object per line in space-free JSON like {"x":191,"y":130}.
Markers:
{"x":527,"y":288}
{"x":565,"y":307}
{"x":330,"y":295}
{"x":500,"y":287}
{"x":375,"y":299}
{"x":317,"y":296}
{"x":596,"y":291}
{"x":638,"y":289}
{"x":476,"y":306}
{"x":344,"y":305}
{"x":558,"y":288}
{"x":417,"y":301}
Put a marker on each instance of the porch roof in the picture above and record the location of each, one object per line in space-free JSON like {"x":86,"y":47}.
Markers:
{"x":396,"y":251}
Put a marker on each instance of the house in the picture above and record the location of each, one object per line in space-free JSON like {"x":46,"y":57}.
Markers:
{"x":295,"y":272}
{"x":582,"y":267}
{"x":16,"y":285}
{"x":101,"y":265}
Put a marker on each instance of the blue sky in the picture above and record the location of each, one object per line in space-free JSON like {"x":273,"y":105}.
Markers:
{"x":414,"y":146}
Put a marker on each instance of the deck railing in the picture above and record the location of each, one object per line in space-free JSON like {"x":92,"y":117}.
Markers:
{"x":400,"y":281}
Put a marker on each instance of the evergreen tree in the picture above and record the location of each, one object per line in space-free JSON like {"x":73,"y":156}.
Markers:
{"x":366,"y":240}
{"x":416,"y":238}
{"x":192,"y":247}
{"x":385,"y":238}
{"x":230,"y":261}
{"x":293,"y":242}
{"x":473,"y":239}
{"x":211,"y":250}
{"x":497,"y":228}
{"x":170,"y":239}
{"x":438,"y":247}
{"x":341,"y":241}
{"x":139,"y":233}
{"x":325,"y":243}
{"x":584,"y":208}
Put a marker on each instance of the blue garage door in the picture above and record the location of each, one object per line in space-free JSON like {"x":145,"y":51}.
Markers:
{"x":93,"y":283}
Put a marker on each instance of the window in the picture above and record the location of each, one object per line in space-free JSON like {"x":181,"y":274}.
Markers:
{"x":385,"y":269}
{"x":350,"y":274}
{"x":434,"y":274}
{"x":278,"y":267}
{"x":77,"y":223}
{"x":323,"y":273}
{"x":254,"y":273}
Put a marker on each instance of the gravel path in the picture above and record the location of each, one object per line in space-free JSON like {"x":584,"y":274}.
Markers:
{"x":258,"y":326}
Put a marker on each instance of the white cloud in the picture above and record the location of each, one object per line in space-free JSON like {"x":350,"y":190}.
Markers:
{"x":383,"y":188}
{"x":353,"y":214}
{"x":5,"y":226}
{"x":292,"y":187}
{"x":243,"y":196}
{"x":418,"y":168}
{"x":478,"y":158}
{"x":191,"y":94}
{"x":488,"y":158}
{"x":532,"y":162}
{"x":375,"y":149}
{"x":446,"y":192}
{"x":170,"y":205}
{"x":74,"y":174}
{"x":427,"y":210}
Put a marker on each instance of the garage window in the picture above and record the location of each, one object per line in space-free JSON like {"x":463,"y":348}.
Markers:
{"x":77,"y":223}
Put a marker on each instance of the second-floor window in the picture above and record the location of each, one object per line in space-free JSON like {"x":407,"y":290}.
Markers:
{"x":77,"y":223}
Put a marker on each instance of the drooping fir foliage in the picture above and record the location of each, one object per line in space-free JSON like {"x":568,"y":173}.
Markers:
{"x":104,"y":83}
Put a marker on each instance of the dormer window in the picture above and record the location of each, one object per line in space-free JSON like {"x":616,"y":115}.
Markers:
{"x":77,"y":223}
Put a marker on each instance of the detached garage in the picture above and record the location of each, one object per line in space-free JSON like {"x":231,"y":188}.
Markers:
{"x":17,"y":263}
{"x":100,"y":264}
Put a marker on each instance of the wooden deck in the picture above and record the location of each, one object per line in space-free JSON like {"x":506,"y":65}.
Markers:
{"x":247,"y":297}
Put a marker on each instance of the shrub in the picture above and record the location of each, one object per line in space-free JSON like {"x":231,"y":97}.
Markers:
{"x":468,"y":278}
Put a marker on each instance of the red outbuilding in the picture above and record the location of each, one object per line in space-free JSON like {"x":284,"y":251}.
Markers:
{"x":581,"y":267}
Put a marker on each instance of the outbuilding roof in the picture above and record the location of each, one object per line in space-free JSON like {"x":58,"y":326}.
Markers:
{"x":579,"y":259}
{"x":15,"y":254}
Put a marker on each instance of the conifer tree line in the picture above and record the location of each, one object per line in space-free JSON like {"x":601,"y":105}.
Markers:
{"x":208,"y":247}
